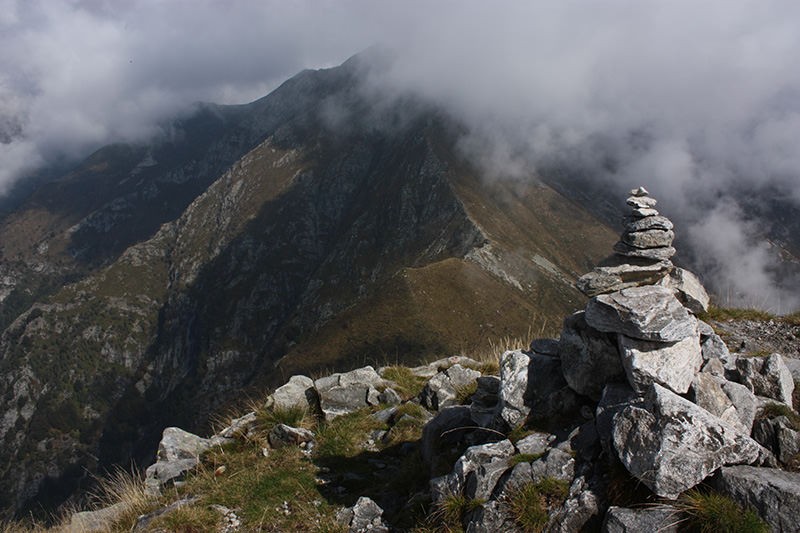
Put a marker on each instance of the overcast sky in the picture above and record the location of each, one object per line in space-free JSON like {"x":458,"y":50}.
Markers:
{"x":713,"y":86}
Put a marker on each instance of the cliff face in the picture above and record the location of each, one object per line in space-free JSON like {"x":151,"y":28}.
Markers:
{"x":328,"y":243}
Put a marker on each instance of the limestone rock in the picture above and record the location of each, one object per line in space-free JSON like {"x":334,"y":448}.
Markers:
{"x":774,"y":494}
{"x":389,"y":396}
{"x":178,"y":452}
{"x":443,"y":389}
{"x":589,"y":358}
{"x":639,"y":191}
{"x":672,"y":365}
{"x":616,"y":397}
{"x":641,"y":201}
{"x":663,"y":519}
{"x":97,"y":521}
{"x":673,"y":444}
{"x":647,"y":313}
{"x":650,"y":238}
{"x":576,"y":513}
{"x":535,"y":444}
{"x":511,"y":406}
{"x":477,"y":472}
{"x":297,"y":393}
{"x":491,"y":517}
{"x":767,"y":377}
{"x":243,"y":426}
{"x":688,"y":289}
{"x":778,"y":436}
{"x":363,"y":517}
{"x":643,"y":212}
{"x":647,"y":223}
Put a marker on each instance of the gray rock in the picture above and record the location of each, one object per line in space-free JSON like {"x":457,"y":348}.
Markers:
{"x":143,"y":521}
{"x":242,"y":427}
{"x":581,"y":507}
{"x":282,"y":435}
{"x":621,"y":275}
{"x":734,"y":404}
{"x":688,"y":289}
{"x":555,"y":464}
{"x":484,"y":401}
{"x":767,"y":377}
{"x":477,"y":472}
{"x":448,"y":426}
{"x":535,"y":444}
{"x":511,"y":406}
{"x":491,"y":517}
{"x":440,"y":365}
{"x":99,"y":520}
{"x":655,"y":254}
{"x":641,"y":201}
{"x":589,"y":358}
{"x":673,"y":444}
{"x":643,"y":212}
{"x":178,"y":452}
{"x":663,"y":519}
{"x":443,"y":389}
{"x":545,"y":346}
{"x":778,"y":436}
{"x":344,"y":393}
{"x":297,"y":393}
{"x":389,"y":396}
{"x":713,"y":367}
{"x":794,"y":367}
{"x":713,"y":347}
{"x":616,"y":397}
{"x":651,"y":238}
{"x":639,"y":191}
{"x":774,"y":494}
{"x":670,"y":364}
{"x":648,"y":313}
{"x":364,"y":517}
{"x":647,"y":223}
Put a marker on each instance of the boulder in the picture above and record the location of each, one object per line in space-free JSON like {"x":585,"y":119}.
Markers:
{"x":476,"y":473}
{"x":778,"y":436}
{"x":733,"y":403}
{"x":647,"y":313}
{"x":672,"y":444}
{"x":713,"y":347}
{"x":670,"y":364}
{"x":767,"y":376}
{"x":363,"y":517}
{"x":663,"y":519}
{"x":178,"y":452}
{"x":774,"y":494}
{"x":297,"y":393}
{"x":511,"y":406}
{"x":589,"y":358}
{"x":344,"y":393}
{"x":444,"y":389}
{"x":282,"y":435}
{"x":688,"y":289}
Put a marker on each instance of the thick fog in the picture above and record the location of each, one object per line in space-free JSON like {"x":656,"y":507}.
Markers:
{"x":691,"y":99}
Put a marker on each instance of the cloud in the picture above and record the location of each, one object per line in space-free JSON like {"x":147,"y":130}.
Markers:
{"x":693,"y":100}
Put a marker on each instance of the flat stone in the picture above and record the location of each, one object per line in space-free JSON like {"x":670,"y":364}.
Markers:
{"x":589,"y":358}
{"x":672,"y":444}
{"x":672,"y":365}
{"x":605,"y":279}
{"x":651,"y":238}
{"x":646,"y":223}
{"x":643,"y":212}
{"x":661,"y":519}
{"x":773,"y":493}
{"x":648,"y":313}
{"x":655,"y":254}
{"x":640,"y":202}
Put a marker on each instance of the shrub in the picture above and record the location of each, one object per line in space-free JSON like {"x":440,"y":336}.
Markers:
{"x":711,"y":512}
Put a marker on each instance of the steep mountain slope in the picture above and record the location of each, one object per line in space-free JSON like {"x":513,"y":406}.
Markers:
{"x":329,"y":243}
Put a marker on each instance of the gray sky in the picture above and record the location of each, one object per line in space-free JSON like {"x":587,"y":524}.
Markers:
{"x":713,"y":86}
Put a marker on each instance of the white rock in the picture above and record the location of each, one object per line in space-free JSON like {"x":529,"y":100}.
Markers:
{"x":672,"y":365}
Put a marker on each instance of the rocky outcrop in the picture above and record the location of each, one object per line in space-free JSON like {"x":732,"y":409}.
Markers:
{"x":774,"y":494}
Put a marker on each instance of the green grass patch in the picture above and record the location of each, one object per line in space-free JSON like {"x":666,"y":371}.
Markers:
{"x":530,"y":504}
{"x":268,"y":418}
{"x":450,"y":512}
{"x":711,"y":512}
{"x":409,"y":385}
{"x":344,"y":435}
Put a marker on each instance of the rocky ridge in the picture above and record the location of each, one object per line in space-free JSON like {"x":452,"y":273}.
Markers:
{"x":636,"y":380}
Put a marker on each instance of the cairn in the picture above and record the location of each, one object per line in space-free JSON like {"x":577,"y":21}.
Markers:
{"x":642,"y":255}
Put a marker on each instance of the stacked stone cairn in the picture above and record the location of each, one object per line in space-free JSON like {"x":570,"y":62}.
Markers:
{"x":635,"y":378}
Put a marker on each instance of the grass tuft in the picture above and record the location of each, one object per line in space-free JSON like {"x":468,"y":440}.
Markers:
{"x":449,"y":513}
{"x":530,"y":504}
{"x":711,"y":512}
{"x":409,"y":385}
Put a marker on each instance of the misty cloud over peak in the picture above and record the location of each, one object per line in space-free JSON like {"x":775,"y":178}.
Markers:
{"x":693,"y":100}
